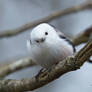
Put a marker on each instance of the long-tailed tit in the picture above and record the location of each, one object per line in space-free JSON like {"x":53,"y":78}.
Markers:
{"x":48,"y":46}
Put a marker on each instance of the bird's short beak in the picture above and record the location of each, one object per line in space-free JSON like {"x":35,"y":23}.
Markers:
{"x":40,"y":40}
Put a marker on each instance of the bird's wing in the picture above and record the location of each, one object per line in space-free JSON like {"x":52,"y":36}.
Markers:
{"x":61,"y":35}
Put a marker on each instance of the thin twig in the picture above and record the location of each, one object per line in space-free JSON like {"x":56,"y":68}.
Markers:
{"x":61,"y":13}
{"x":69,"y":64}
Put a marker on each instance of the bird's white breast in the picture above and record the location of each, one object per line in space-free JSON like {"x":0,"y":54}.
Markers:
{"x":48,"y":53}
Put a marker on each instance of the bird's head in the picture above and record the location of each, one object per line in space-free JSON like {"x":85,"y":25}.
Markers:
{"x":42,"y":32}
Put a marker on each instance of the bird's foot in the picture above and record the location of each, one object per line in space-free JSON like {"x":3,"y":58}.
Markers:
{"x":40,"y":72}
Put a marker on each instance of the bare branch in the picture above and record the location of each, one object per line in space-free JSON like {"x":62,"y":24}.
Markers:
{"x":83,"y":37}
{"x":67,"y":65}
{"x":17,"y":65}
{"x":61,"y":13}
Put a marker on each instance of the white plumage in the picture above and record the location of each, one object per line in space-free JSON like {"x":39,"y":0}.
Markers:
{"x":47,"y":46}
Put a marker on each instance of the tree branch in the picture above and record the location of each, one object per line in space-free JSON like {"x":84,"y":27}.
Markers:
{"x":17,"y":65}
{"x":83,"y":37}
{"x":69,"y":64}
{"x":61,"y":13}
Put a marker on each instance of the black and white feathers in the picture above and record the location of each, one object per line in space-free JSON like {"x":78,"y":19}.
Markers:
{"x":48,"y":46}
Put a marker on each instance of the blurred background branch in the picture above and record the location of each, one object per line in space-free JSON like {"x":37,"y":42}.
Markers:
{"x":61,"y":13}
{"x":83,"y":37}
{"x":15,"y":66}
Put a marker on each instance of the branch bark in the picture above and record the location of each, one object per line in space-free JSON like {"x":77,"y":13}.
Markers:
{"x":61,"y":13}
{"x":69,"y":64}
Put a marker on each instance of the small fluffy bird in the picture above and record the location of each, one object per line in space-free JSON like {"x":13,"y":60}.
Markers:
{"x":48,"y":46}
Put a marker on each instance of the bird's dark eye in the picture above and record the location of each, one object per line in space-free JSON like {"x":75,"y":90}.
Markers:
{"x":37,"y":41}
{"x":46,"y":33}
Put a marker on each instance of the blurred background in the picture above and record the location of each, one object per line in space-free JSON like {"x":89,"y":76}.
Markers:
{"x":15,"y":13}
